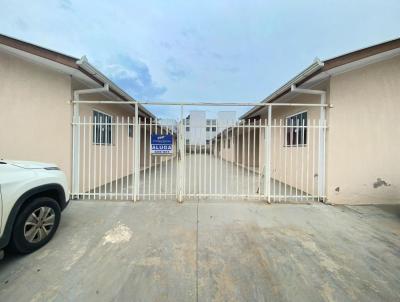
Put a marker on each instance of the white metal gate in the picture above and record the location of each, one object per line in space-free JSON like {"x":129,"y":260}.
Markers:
{"x":273,"y":159}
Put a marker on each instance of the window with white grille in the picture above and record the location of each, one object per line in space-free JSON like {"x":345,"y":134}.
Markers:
{"x":296,"y":130}
{"x":102,"y":129}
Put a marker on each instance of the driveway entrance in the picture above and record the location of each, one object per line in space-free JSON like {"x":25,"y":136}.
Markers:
{"x":219,"y":179}
{"x":275,"y":160}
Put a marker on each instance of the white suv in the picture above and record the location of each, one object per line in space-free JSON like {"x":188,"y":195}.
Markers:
{"x":32,"y":196}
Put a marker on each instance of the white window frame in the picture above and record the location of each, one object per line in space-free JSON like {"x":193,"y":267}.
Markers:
{"x":288,"y":129}
{"x":93,"y":130}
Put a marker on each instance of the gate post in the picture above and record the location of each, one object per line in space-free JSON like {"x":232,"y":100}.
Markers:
{"x":321,"y":149}
{"x":180,"y":155}
{"x":75,"y":148}
{"x":137,"y":154}
{"x":267,"y":157}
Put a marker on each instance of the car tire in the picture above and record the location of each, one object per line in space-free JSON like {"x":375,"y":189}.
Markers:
{"x":35,"y":225}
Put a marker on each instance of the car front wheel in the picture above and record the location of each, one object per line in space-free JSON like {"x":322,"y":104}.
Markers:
{"x":35,"y":225}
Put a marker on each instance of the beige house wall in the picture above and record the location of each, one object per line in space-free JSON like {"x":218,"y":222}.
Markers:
{"x":247,"y":147}
{"x":215,"y":147}
{"x":243,"y":148}
{"x":228,"y":147}
{"x":35,"y":123}
{"x":35,"y":116}
{"x":241,"y":140}
{"x":105,"y":164}
{"x":297,"y":166}
{"x":363,"y":148}
{"x":117,"y":159}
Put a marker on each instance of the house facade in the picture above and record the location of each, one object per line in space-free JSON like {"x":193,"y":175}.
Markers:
{"x":361,"y":153}
{"x":327,"y":134}
{"x":37,"y":90}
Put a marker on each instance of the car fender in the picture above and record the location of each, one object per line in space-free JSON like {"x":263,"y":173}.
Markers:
{"x":6,"y":234}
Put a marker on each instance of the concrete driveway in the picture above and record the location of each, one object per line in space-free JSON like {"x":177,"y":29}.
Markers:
{"x":204,"y":175}
{"x":212,"y":251}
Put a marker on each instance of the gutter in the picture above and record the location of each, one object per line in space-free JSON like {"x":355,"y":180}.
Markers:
{"x":77,"y":93}
{"x":286,"y":88}
{"x":86,"y":67}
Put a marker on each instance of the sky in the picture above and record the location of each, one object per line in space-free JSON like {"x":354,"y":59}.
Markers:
{"x":209,"y":50}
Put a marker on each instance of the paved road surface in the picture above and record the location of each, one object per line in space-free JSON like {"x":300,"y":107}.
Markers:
{"x":214,"y":251}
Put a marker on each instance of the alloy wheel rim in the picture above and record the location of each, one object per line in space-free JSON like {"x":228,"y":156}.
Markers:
{"x":39,"y":224}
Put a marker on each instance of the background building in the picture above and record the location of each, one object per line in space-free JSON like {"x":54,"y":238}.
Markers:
{"x":199,"y":130}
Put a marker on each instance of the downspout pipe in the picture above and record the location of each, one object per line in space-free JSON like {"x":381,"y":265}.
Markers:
{"x":76,"y":135}
{"x":321,"y":93}
{"x":77,"y":93}
{"x":322,"y":138}
{"x":293,"y":88}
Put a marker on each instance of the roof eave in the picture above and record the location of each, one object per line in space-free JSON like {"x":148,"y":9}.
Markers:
{"x":82,"y":65}
{"x":39,"y":51}
{"x":327,"y":65}
{"x":311,"y":70}
{"x":92,"y":71}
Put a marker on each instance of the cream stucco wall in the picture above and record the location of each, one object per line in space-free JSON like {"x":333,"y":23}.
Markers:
{"x":363,"y":152}
{"x":35,"y":117}
{"x":100,"y":164}
{"x":363,"y":148}
{"x":246,"y":145}
{"x":35,"y":123}
{"x":228,"y":146}
{"x":296,"y":166}
{"x":103,"y":164}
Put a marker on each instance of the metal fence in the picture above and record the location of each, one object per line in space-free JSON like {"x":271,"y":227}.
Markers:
{"x":278,"y":161}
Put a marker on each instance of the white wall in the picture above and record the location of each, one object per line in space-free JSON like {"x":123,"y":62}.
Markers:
{"x":198,"y":123}
{"x":226,"y":118}
{"x":197,"y":133}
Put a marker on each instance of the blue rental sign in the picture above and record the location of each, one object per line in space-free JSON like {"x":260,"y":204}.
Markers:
{"x":161,"y":144}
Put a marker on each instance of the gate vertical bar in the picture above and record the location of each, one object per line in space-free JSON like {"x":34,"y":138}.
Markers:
{"x":128,"y":158}
{"x":84,"y":158}
{"x":137,"y":148}
{"x":95,"y":127}
{"x":321,"y":149}
{"x":90,"y":142}
{"x":174,"y":166}
{"x":180,"y":162}
{"x":150,"y":159}
{"x":144,"y":159}
{"x":75,"y":148}
{"x":267,"y":161}
{"x":100,"y":145}
{"x":122,"y":156}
